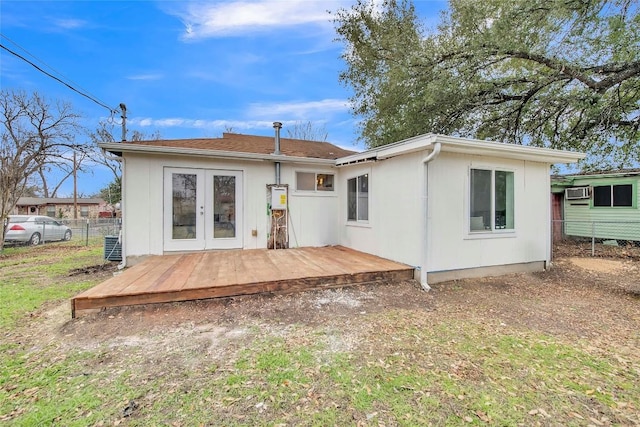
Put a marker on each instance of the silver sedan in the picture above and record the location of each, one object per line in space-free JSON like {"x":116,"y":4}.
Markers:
{"x":34,"y":229}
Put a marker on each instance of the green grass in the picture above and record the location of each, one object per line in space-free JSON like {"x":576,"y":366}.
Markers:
{"x":56,"y":391}
{"x":510,"y":379}
{"x":31,"y":276}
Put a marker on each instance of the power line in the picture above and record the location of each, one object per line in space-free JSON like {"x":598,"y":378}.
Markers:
{"x":62,"y":76}
{"x":86,"y":95}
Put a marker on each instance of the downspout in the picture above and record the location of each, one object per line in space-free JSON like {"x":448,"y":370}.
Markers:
{"x":277,"y":126}
{"x":425,"y":207}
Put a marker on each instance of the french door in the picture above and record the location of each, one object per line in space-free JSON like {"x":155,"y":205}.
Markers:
{"x":202,"y":209}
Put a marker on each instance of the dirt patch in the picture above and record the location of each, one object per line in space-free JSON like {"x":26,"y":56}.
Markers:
{"x":600,"y":265}
{"x":583,"y":248}
{"x":104,"y":268}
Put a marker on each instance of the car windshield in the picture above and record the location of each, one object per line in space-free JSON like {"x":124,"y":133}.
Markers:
{"x":14,"y":219}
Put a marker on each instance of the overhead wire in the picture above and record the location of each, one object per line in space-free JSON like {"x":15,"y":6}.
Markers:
{"x":61,"y":75}
{"x":82,"y":92}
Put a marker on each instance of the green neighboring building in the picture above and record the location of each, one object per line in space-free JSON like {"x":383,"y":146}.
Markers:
{"x":601,"y":203}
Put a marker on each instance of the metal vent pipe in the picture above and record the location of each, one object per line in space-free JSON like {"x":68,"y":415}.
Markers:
{"x":277,"y":126}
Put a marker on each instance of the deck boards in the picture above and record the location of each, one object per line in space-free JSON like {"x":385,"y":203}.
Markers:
{"x":203,"y":275}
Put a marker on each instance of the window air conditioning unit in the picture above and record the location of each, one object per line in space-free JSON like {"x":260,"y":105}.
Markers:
{"x":576,"y":193}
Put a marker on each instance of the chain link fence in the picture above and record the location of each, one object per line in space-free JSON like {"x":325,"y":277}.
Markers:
{"x":85,"y":230}
{"x":596,"y":238}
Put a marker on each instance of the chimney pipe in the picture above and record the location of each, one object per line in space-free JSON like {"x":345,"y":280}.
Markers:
{"x":123,"y":110}
{"x":277,"y":126}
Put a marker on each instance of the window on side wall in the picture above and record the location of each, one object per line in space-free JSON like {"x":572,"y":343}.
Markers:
{"x":613,"y":195}
{"x":491,"y":200}
{"x":358,"y":198}
{"x":311,"y":181}
{"x":84,"y":211}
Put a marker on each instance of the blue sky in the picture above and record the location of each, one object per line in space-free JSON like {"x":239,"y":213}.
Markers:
{"x":186,"y":69}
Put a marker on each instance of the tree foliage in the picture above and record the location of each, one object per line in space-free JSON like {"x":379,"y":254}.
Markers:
{"x":105,"y":133}
{"x":35,"y":134}
{"x":554,"y":73}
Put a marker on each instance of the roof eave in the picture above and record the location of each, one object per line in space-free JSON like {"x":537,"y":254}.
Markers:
{"x":464,"y":146}
{"x":510,"y":151}
{"x":119,"y":148}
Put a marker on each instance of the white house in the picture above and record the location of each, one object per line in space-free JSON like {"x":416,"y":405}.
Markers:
{"x":451,"y":207}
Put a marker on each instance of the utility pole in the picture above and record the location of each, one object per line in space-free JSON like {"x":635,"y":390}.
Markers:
{"x":75,"y":187}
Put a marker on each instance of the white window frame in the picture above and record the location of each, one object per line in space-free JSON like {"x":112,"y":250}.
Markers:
{"x":356,"y":177}
{"x":492,"y":232}
{"x":315,"y":173}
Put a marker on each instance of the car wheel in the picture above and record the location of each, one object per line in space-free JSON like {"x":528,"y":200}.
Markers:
{"x":67,"y":235}
{"x":35,"y":239}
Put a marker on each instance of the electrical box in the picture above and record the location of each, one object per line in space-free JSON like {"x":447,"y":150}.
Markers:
{"x":278,"y":198}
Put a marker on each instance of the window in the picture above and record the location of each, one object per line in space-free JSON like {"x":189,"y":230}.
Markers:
{"x":84,"y":211}
{"x":491,"y":200}
{"x":613,"y":195}
{"x":358,"y":198}
{"x":51,"y":211}
{"x":310,"y":181}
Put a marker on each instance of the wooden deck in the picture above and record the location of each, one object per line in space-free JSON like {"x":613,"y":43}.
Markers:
{"x":203,"y":275}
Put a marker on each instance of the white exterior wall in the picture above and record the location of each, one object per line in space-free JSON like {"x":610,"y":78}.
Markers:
{"x":312,"y":217}
{"x":395,"y":209}
{"x":449,"y":244}
{"x":396,"y":226}
{"x":312,"y":214}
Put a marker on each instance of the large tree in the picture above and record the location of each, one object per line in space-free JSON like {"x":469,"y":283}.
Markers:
{"x":105,"y":133}
{"x":34,"y":134}
{"x":554,"y":73}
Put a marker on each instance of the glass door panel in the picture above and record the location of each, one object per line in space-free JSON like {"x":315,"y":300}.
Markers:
{"x":183,"y":209}
{"x":184,"y":205}
{"x":224,"y":206}
{"x":223,"y":215}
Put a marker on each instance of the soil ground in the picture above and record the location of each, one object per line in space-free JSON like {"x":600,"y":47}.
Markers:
{"x":580,"y":296}
{"x":596,"y":299}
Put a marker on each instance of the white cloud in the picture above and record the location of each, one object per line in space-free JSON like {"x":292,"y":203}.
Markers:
{"x":262,"y":116}
{"x":149,"y":76}
{"x":300,"y":110}
{"x":176,"y":122}
{"x":70,"y":23}
{"x":220,"y":19}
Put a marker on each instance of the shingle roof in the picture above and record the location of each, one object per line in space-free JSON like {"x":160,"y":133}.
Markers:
{"x":617,"y":172}
{"x":255,"y":144}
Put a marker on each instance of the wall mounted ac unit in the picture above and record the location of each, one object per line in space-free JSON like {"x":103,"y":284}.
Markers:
{"x":576,"y":193}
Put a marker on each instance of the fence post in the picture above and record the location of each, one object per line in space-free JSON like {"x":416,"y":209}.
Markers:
{"x":87,"y":241}
{"x":593,"y":238}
